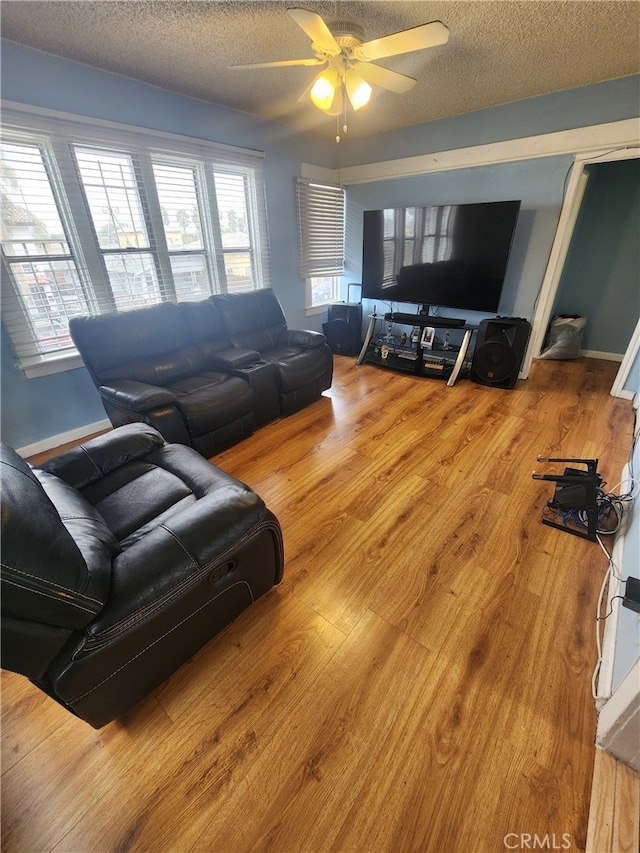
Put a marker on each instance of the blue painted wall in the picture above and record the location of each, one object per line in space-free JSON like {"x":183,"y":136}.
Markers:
{"x":537,"y":183}
{"x":600,"y":277}
{"x":35,"y":409}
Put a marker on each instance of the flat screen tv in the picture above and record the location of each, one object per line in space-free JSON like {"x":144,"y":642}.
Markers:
{"x":451,"y":256}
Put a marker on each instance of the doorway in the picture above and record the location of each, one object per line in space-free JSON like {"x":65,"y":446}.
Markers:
{"x":594,"y":263}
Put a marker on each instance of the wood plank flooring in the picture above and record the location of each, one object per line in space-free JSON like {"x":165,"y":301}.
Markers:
{"x":421,"y":679}
{"x":614,"y":815}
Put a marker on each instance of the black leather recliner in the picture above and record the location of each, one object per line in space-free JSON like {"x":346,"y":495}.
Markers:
{"x":120,"y":559}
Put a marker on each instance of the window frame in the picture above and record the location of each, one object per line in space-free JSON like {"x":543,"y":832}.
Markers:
{"x":316,"y":307}
{"x":321,"y":212}
{"x":60,"y":134}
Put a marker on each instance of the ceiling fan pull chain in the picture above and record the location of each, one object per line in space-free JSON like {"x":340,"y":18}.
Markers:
{"x":344,"y":108}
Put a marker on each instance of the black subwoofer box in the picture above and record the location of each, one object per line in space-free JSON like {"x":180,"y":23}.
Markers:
{"x":343,"y":329}
{"x":500,"y":349}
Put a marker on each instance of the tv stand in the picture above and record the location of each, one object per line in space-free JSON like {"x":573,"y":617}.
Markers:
{"x":398,"y":352}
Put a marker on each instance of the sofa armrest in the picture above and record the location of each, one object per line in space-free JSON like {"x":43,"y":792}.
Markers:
{"x":84,"y":464}
{"x":137,"y":396}
{"x":202,"y":537}
{"x":304,"y":338}
{"x":233,"y":358}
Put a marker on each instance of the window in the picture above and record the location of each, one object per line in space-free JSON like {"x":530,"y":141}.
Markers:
{"x":320,"y":211}
{"x":322,"y":290}
{"x":38,"y":253}
{"x":181,"y":208}
{"x":97,"y":220}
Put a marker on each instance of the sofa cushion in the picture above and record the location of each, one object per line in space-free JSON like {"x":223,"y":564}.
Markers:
{"x":170,"y":555}
{"x":161,"y":369}
{"x":182,"y":514}
{"x":296,"y":368}
{"x":71,"y":585}
{"x":135,"y":495}
{"x":95,"y":540}
{"x":212,"y":400}
{"x":209,"y":334}
{"x":147,"y":344}
{"x":253,"y":320}
{"x":205,"y":325}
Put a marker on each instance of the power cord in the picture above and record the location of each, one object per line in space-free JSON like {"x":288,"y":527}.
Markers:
{"x":596,"y":671}
{"x":610,"y":509}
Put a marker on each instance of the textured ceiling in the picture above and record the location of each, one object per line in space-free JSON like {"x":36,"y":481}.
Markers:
{"x":497,"y":52}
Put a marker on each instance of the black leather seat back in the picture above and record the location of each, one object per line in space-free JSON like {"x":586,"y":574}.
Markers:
{"x":151,"y":345}
{"x":253,"y":320}
{"x":206,"y":326}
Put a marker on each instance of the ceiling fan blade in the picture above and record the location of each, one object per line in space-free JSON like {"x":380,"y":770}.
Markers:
{"x":379,"y":76}
{"x":280,"y":64}
{"x":316,"y":29}
{"x":417,"y":38}
{"x":305,"y":96}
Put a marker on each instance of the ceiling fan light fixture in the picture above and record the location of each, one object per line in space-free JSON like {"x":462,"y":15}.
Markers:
{"x":323,"y":90}
{"x":358,"y":90}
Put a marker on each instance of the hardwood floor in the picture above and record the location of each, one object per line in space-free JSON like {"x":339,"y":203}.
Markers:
{"x":614,"y":813}
{"x":421,"y":679}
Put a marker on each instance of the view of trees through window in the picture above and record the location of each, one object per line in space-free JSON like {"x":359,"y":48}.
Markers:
{"x":114,"y":230}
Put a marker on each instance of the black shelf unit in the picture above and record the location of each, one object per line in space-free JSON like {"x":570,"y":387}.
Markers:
{"x":384,"y":348}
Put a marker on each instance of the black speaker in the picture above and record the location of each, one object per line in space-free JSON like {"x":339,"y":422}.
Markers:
{"x":343,"y":328}
{"x":499,"y":351}
{"x":350,"y":312}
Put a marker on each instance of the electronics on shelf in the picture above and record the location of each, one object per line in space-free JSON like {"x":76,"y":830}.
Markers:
{"x":421,"y":353}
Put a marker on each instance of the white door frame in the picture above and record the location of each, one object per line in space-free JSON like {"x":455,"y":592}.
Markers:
{"x":617,"y":390}
{"x":566,"y":225}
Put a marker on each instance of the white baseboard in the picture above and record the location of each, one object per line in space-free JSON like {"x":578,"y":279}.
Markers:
{"x":605,"y":356}
{"x":63,"y":438}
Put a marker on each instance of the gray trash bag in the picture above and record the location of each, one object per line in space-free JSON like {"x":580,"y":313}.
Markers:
{"x":564,"y":337}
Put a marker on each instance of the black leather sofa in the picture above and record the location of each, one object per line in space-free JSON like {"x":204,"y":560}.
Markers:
{"x":120,"y":559}
{"x":203,"y":373}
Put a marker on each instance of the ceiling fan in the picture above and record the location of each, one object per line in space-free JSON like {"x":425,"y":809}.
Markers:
{"x":349,"y":70}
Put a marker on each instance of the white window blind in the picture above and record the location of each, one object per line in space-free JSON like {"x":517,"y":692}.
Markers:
{"x":98,"y":219}
{"x":320,"y":228}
